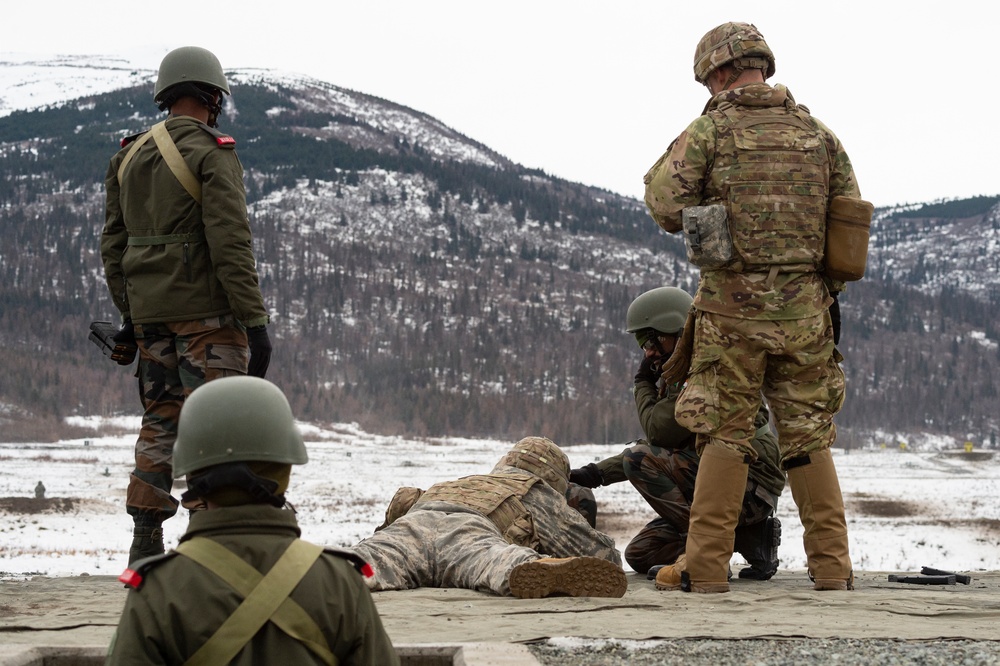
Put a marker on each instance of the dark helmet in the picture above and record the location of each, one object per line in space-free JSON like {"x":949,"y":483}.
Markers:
{"x":740,"y":44}
{"x":541,"y":457}
{"x":663,"y":309}
{"x":189,"y":64}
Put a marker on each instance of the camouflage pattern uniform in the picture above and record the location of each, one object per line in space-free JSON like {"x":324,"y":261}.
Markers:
{"x":763,"y":323}
{"x":470,"y":533}
{"x":171,"y":586}
{"x":184,"y":273}
{"x":663,"y":468}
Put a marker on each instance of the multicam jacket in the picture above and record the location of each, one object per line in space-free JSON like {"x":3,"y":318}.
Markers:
{"x":560,"y":531}
{"x":168,"y":258}
{"x":775,"y":167}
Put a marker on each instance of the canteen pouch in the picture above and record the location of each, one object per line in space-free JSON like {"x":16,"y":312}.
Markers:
{"x":707,"y":236}
{"x":848,"y":222}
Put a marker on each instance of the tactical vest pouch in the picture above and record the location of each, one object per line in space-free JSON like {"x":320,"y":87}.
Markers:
{"x":706,"y":233}
{"x":848,"y":222}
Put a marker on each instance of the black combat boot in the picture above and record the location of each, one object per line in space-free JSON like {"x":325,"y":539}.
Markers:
{"x":758,"y":543}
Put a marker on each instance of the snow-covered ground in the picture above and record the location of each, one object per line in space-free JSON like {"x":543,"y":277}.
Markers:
{"x":905,"y":509}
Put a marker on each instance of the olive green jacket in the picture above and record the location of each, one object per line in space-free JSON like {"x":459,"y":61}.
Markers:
{"x":179,"y":604}
{"x":656,"y":414}
{"x":204,"y":266}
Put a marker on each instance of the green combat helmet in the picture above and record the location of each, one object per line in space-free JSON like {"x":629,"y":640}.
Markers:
{"x":192,"y":71}
{"x":739,"y":44}
{"x":541,"y":457}
{"x":663,"y":309}
{"x":189,"y":64}
{"x":236,"y":443}
{"x":236,"y":419}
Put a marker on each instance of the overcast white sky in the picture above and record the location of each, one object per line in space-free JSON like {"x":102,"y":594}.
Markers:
{"x":593,"y":90}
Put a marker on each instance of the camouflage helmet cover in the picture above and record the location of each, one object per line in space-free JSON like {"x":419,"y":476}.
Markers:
{"x":543,"y":458}
{"x":730,"y":42}
{"x":663,"y":309}
{"x":189,"y":64}
{"x":236,"y":419}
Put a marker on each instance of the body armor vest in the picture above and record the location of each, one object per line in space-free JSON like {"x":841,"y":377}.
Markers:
{"x":495,"y":496}
{"x":771,"y":170}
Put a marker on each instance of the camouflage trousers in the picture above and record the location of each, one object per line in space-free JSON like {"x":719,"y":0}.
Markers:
{"x":174,"y":359}
{"x":434,"y":548}
{"x":665,"y":479}
{"x":793,"y":362}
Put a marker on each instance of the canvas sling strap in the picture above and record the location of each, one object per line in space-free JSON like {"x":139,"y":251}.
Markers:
{"x":265,"y":599}
{"x":172,"y":156}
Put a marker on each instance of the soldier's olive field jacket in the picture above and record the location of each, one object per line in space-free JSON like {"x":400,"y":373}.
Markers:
{"x":167,"y":257}
{"x":179,"y":604}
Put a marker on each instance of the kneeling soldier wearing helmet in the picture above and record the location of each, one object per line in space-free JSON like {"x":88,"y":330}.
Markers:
{"x":241,"y":587}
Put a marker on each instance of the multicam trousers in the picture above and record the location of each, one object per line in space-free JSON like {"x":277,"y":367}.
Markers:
{"x":431,"y":548}
{"x":794,"y":363}
{"x":174,"y":359}
{"x":665,"y":479}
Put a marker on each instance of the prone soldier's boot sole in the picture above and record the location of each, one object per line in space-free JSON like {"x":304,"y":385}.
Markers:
{"x":567,"y":576}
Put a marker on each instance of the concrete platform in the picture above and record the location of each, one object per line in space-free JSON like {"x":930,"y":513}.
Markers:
{"x":63,"y":621}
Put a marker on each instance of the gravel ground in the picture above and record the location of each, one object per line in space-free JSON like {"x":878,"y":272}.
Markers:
{"x":788,"y":652}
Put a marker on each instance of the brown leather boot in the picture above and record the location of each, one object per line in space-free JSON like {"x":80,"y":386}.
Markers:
{"x":816,"y":491}
{"x":718,"y":497}
{"x":567,"y":576}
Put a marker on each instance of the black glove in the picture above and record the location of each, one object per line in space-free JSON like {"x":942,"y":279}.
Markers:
{"x":126,"y":346}
{"x":588,"y":476}
{"x":126,"y":334}
{"x":835,"y":317}
{"x":647,"y":371}
{"x":260,"y":351}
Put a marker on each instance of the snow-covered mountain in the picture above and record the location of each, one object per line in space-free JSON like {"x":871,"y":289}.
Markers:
{"x":421,"y":283}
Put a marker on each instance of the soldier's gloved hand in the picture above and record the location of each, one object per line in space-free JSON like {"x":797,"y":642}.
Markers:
{"x":126,"y":334}
{"x":260,"y":351}
{"x":647,"y":371}
{"x":588,"y":476}
{"x":126,"y":346}
{"x":835,"y":317}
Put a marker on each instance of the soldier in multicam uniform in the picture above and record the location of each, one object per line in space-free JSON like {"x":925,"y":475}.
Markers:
{"x":241,"y":586}
{"x":663,"y":466}
{"x":762,"y":319}
{"x":180,"y":267}
{"x":509,"y":532}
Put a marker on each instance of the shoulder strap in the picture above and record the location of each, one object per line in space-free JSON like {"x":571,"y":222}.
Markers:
{"x":265,"y":598}
{"x":173,"y":158}
{"x":131,"y":153}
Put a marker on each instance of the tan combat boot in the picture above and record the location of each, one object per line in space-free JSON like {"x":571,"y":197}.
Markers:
{"x":816,"y":491}
{"x":669,"y":577}
{"x":715,"y":511}
{"x":567,"y":576}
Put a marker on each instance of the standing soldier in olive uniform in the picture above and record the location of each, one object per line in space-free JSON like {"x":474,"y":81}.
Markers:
{"x":241,"y":587}
{"x":509,"y":532}
{"x":180,"y":267}
{"x":763,"y":321}
{"x":663,"y":466}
